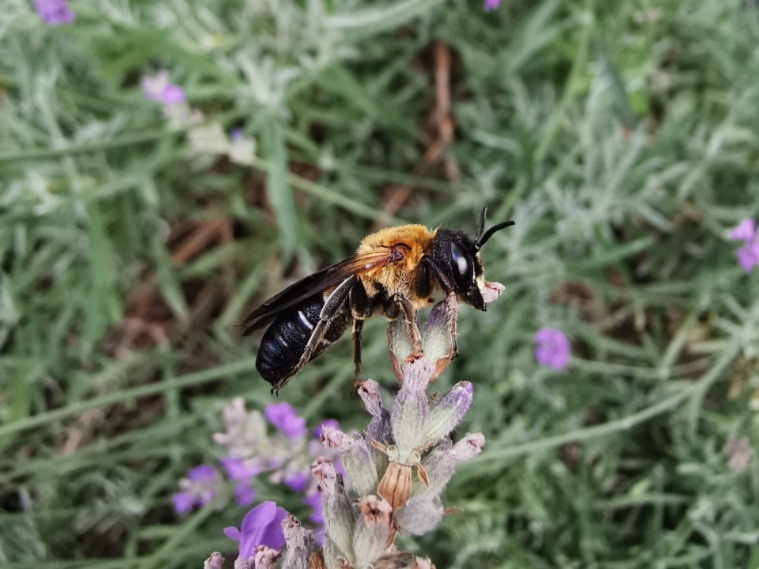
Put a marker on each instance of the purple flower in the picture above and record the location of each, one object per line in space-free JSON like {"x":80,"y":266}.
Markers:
{"x":244,"y":494}
{"x":284,"y":418}
{"x":491,"y":5}
{"x":54,"y":12}
{"x":199,"y":488}
{"x":552,"y":349}
{"x":239,"y":470}
{"x":744,"y":231}
{"x":158,"y":88}
{"x":748,"y":255}
{"x":261,"y":526}
{"x":297,"y":481}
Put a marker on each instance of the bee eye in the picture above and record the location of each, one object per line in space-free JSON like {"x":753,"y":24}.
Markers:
{"x":463,"y":271}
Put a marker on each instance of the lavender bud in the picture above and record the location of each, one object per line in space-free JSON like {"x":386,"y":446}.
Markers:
{"x":326,"y":477}
{"x":338,"y":515}
{"x":333,"y":557}
{"x":438,"y":334}
{"x":399,"y":343}
{"x":420,"y":515}
{"x":440,"y":467}
{"x":372,"y":529}
{"x":448,"y":411}
{"x":359,"y":467}
{"x":369,"y":392}
{"x":334,"y":438}
{"x":468,"y":447}
{"x":216,"y":561}
{"x":265,"y":557}
{"x":410,"y":408}
{"x":300,"y":542}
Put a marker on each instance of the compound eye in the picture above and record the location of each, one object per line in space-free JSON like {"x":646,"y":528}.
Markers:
{"x":463,"y":271}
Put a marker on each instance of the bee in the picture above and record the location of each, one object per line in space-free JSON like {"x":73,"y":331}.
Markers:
{"x":395,"y":272}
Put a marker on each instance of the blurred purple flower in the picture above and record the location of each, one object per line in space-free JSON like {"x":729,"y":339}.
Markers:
{"x":197,"y":489}
{"x":158,"y":88}
{"x":54,"y":12}
{"x":239,"y":470}
{"x":491,"y":5}
{"x":261,"y":526}
{"x":748,"y":255}
{"x":244,"y":494}
{"x":298,"y":481}
{"x":552,"y":349}
{"x":285,"y":419}
{"x":744,"y":231}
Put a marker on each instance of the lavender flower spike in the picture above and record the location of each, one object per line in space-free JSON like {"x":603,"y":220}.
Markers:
{"x":448,"y":411}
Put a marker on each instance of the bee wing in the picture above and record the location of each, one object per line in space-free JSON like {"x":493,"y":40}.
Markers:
{"x":320,"y":281}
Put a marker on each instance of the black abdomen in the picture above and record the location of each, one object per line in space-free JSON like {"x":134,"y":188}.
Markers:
{"x":284,"y":342}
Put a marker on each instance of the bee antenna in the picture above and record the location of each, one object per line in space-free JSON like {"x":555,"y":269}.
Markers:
{"x":481,"y":224}
{"x":482,"y":239}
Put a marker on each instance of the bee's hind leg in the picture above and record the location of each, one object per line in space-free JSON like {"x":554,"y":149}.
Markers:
{"x":361,"y":307}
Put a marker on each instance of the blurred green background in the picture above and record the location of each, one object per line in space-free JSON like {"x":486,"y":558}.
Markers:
{"x":623,"y":137}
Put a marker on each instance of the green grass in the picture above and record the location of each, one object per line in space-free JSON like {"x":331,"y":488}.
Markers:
{"x":622,"y":137}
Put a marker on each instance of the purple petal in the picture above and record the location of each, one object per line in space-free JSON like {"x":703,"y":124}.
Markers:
{"x":54,"y":12}
{"x":744,"y":231}
{"x":232,"y":533}
{"x":244,"y":494}
{"x":183,"y":502}
{"x":262,"y":526}
{"x":285,"y":419}
{"x":202,"y":472}
{"x":748,"y":256}
{"x":172,"y":95}
{"x":297,"y":482}
{"x":238,"y":470}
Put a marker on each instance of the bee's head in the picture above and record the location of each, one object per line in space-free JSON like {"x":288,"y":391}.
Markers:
{"x":457,"y":256}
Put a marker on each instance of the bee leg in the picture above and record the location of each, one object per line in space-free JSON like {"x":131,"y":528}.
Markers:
{"x":401,"y":306}
{"x":358,"y":324}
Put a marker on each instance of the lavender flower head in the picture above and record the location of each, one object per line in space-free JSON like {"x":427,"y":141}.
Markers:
{"x":748,"y":255}
{"x":54,"y":12}
{"x":552,"y":348}
{"x":491,"y":5}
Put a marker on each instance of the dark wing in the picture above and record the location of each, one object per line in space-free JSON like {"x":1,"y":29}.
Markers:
{"x":320,"y":281}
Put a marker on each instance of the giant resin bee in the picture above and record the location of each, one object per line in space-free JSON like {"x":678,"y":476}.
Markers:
{"x":394,"y":272}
